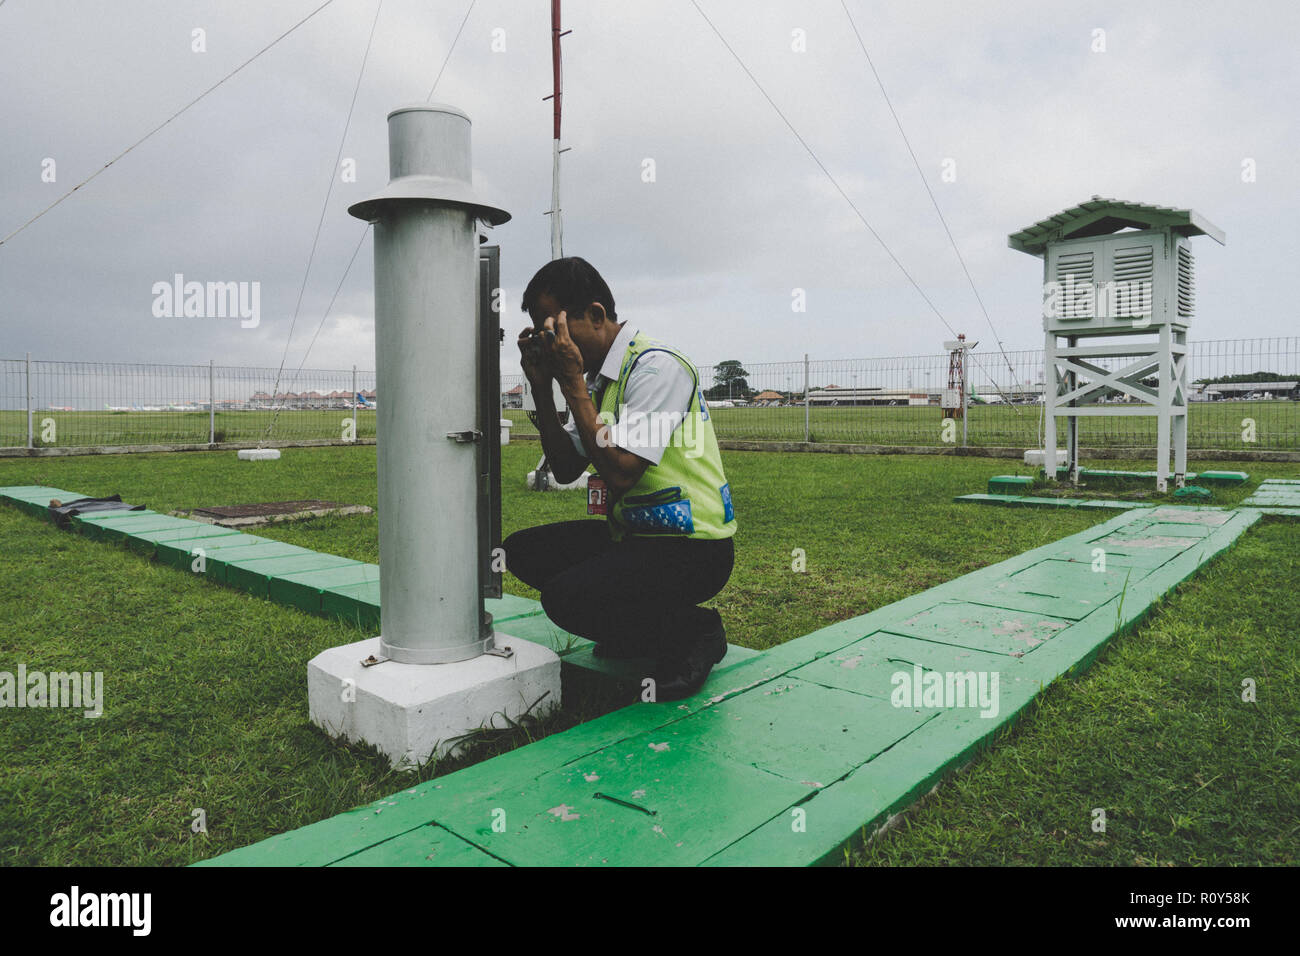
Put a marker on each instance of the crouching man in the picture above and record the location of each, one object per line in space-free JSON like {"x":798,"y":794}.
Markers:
{"x":633,"y":580}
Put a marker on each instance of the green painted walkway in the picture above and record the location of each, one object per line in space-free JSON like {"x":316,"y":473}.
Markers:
{"x":1277,"y":496}
{"x":785,"y":757}
{"x":1030,"y":501}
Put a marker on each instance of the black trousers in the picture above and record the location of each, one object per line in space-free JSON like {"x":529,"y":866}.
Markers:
{"x":640,"y":593}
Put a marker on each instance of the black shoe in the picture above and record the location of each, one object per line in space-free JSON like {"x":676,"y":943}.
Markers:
{"x":682,"y":674}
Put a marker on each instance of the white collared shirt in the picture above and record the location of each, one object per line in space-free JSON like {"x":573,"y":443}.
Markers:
{"x":659,"y":387}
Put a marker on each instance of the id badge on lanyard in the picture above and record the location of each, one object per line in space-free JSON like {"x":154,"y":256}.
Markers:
{"x":597,"y":496}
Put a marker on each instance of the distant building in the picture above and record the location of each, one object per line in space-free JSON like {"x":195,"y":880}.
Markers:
{"x":833,"y":395}
{"x":1219,"y":391}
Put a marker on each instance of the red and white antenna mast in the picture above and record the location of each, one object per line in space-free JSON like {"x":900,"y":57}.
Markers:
{"x":557,"y":223}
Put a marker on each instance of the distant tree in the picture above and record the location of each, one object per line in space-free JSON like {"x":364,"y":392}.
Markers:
{"x":730,"y":380}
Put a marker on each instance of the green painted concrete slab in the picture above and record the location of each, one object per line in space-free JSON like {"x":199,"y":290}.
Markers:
{"x":1009,"y":484}
{"x":254,"y":574}
{"x":424,"y":846}
{"x":698,"y":801}
{"x":1177,"y":529}
{"x":1276,"y":493}
{"x":1064,"y":588}
{"x":95,"y":526}
{"x":302,"y":589}
{"x":1282,"y":512}
{"x":38,"y":494}
{"x":508,"y":607}
{"x":22,"y":491}
{"x":356,"y":603}
{"x":983,"y":628}
{"x":1133,"y":551}
{"x":539,"y":629}
{"x":806,"y":732}
{"x":1223,"y":477}
{"x":989,"y":499}
{"x":1115,"y":473}
{"x":195,"y":529}
{"x":1033,"y":501}
{"x":1191,"y":514}
{"x":217,"y":551}
{"x":119,"y":527}
{"x":871,"y":666}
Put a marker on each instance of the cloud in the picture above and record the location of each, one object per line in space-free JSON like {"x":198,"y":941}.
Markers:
{"x":738,"y":216}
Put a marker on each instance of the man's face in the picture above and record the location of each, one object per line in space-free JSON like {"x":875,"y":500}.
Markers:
{"x":580,"y":326}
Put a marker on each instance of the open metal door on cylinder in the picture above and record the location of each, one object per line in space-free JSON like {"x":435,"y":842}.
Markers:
{"x":489,"y":416}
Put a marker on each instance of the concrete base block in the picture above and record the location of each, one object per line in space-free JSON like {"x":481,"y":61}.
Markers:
{"x":259,"y":454}
{"x":412,"y":712}
{"x":1038,"y":456}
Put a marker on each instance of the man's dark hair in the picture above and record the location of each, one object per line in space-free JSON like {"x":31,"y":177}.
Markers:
{"x":574,"y":283}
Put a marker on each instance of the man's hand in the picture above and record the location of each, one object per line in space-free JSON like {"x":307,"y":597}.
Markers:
{"x":534,"y":360}
{"x":565,"y":358}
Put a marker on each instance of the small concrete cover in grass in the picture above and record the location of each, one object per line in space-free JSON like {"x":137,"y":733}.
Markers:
{"x":235,"y":516}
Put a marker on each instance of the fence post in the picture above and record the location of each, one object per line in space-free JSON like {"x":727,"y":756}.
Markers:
{"x":965,"y":405}
{"x":212,"y":407}
{"x":30,"y":443}
{"x":355,"y":403}
{"x":807,"y":430}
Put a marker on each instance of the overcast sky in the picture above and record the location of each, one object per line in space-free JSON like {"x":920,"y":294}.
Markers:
{"x":1016,"y":98}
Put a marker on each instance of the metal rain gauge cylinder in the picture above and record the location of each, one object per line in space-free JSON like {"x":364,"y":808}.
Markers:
{"x":430,"y":357}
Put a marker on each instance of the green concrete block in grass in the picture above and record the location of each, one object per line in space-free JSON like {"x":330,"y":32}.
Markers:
{"x":119,"y":527}
{"x":254,"y":574}
{"x":304,"y":589}
{"x":1223,"y":477}
{"x":1010,"y":484}
{"x":989,"y":499}
{"x":510,"y":606}
{"x":180,"y":553}
{"x":357,"y":603}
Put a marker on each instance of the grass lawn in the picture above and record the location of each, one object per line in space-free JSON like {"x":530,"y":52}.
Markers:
{"x":205,"y":692}
{"x":1218,"y":425}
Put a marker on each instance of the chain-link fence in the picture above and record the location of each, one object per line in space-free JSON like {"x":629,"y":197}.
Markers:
{"x":98,"y":404}
{"x":1244,"y":396}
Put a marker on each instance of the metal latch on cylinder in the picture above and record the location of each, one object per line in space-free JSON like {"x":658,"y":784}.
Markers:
{"x":465,"y":436}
